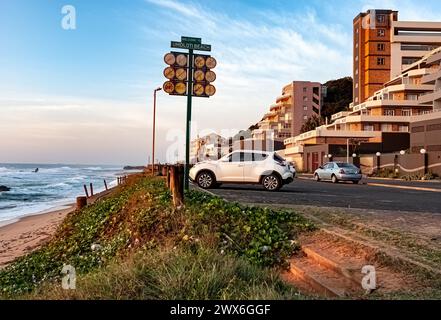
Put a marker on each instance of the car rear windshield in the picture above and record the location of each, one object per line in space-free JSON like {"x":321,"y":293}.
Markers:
{"x":345,"y":165}
{"x":278,"y":158}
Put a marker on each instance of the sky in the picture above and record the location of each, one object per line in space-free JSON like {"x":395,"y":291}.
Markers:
{"x":85,"y":95}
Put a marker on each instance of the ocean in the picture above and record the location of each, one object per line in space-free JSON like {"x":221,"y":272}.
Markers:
{"x":53,"y":186}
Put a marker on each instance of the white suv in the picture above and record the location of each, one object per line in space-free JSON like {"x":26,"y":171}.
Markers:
{"x":259,"y":167}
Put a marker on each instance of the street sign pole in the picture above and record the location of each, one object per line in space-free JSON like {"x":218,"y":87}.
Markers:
{"x":171,"y":86}
{"x":188,"y":129}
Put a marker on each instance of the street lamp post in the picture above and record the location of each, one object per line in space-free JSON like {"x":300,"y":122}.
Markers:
{"x":378,"y":154}
{"x":154,"y":129}
{"x":426,"y":160}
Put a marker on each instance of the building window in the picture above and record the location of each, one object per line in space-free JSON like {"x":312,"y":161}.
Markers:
{"x":386,"y":127}
{"x":305,"y":89}
{"x":356,"y":71}
{"x":381,"y":47}
{"x":368,"y":127}
{"x":406,"y":112}
{"x":381,"y":32}
{"x":403,"y":128}
{"x":381,"y":61}
{"x":381,"y":18}
{"x":409,"y":60}
{"x":389,"y":112}
{"x":305,"y":117}
{"x":434,"y":127}
{"x":417,"y":129}
{"x":305,"y":108}
{"x":305,"y":98}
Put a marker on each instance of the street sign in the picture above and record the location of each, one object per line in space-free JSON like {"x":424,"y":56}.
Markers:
{"x":190,"y":46}
{"x":189,"y":74}
{"x":191,"y":40}
{"x":211,"y":63}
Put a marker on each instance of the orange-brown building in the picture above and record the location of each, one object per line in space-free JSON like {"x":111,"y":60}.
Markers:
{"x":372,"y":52}
{"x":384,"y":47}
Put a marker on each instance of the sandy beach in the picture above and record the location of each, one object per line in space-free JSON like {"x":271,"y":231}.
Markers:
{"x":29,"y":233}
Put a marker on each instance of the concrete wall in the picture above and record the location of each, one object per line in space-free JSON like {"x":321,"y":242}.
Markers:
{"x":405,"y":164}
{"x":408,"y":164}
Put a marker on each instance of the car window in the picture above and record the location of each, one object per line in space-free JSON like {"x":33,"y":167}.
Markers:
{"x":278,"y":158}
{"x":247,"y":156}
{"x":259,"y":156}
{"x":345,"y":165}
{"x":328,"y":166}
{"x":236,"y":157}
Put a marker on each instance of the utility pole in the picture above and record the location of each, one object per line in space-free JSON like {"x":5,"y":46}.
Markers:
{"x":154,"y":129}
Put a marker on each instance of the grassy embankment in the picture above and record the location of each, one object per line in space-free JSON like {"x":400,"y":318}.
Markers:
{"x":211,"y":249}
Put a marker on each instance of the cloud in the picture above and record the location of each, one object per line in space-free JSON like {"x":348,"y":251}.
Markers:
{"x":180,"y":8}
{"x":256,"y":56}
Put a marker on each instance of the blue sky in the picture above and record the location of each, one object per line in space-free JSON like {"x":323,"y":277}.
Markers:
{"x":85,"y":95}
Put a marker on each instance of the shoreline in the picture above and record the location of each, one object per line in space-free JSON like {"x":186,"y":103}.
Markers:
{"x":27,"y":233}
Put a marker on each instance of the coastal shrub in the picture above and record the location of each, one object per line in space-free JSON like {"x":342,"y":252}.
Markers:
{"x":265,"y":236}
{"x":140,"y":216}
{"x":386,"y":173}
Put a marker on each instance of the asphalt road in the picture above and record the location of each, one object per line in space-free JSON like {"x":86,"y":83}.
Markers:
{"x":326,"y":194}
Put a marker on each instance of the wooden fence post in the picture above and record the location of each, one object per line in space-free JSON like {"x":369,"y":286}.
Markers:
{"x":81,"y":202}
{"x":105,"y":185}
{"x":85,"y":190}
{"x":168,"y":176}
{"x":176,"y":188}
{"x":91,"y":189}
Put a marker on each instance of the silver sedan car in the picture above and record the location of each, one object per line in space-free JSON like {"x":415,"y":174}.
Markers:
{"x":338,"y":171}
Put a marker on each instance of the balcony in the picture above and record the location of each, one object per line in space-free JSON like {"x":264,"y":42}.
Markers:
{"x":385,"y":103}
{"x":430,"y":97}
{"x":283,"y":97}
{"x":431,"y":78}
{"x":339,"y":115}
{"x":323,"y":132}
{"x":371,"y":118}
{"x":408,"y":87}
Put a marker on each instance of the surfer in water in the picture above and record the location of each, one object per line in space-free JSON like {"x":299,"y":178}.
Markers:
{"x":36,"y":170}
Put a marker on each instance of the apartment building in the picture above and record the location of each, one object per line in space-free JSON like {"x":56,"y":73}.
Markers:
{"x":433,"y":64}
{"x":211,"y":146}
{"x":299,"y":101}
{"x":381,"y":123}
{"x":425,"y":129}
{"x":384,"y":47}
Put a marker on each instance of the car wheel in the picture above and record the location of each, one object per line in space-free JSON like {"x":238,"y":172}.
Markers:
{"x":205,"y":180}
{"x":355,"y":181}
{"x":316,"y":177}
{"x":271,"y":182}
{"x":334,"y":178}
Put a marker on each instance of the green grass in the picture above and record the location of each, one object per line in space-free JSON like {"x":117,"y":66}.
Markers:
{"x":214,"y":242}
{"x":181,"y":273}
